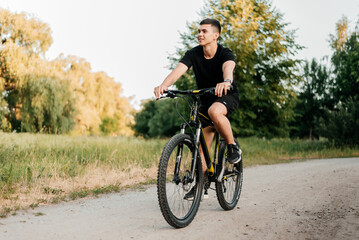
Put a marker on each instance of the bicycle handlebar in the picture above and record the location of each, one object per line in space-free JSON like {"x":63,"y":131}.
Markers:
{"x":173,"y":93}
{"x":190,"y":92}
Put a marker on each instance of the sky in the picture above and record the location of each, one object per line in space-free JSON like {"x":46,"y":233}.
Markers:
{"x":131,"y":40}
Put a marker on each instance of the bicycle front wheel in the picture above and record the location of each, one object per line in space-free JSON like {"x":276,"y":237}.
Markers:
{"x":228,"y":189}
{"x":174,"y":181}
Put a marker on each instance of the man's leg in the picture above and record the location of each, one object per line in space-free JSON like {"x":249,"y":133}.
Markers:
{"x":208,"y":133}
{"x":208,"y":136}
{"x":217,"y":112}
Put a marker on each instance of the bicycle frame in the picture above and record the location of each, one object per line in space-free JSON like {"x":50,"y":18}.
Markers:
{"x":200,"y":140}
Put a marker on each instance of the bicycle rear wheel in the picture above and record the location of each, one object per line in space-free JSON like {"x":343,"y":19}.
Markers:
{"x":174,"y":181}
{"x":229,"y":189}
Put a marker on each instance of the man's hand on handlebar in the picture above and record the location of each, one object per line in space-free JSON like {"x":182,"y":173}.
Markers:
{"x":222,"y":87}
{"x":220,"y":90}
{"x":159,"y":90}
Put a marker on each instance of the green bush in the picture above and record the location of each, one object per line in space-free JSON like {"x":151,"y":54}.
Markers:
{"x":342,"y":125}
{"x":47,"y":106}
{"x":161,"y":118}
{"x":109,"y":125}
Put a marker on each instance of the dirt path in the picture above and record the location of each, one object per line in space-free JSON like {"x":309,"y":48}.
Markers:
{"x":316,"y":199}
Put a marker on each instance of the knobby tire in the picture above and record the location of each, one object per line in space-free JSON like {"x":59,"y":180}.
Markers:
{"x":229,"y":189}
{"x":177,"y":211}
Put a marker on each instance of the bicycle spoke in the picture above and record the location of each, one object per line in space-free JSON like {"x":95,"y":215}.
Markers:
{"x":228,"y":189}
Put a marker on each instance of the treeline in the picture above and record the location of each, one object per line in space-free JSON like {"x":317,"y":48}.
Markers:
{"x":57,"y":96}
{"x":328,"y":103}
{"x":280,"y":96}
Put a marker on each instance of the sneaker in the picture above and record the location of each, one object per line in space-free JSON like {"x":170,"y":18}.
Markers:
{"x":205,"y":195}
{"x":206,"y":184}
{"x":190,"y":195}
{"x":234,"y":154}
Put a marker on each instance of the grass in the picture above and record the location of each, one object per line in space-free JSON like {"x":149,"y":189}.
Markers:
{"x":262,"y":151}
{"x":37,"y":169}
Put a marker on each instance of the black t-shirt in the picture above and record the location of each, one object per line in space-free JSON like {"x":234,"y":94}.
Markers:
{"x":208,"y":72}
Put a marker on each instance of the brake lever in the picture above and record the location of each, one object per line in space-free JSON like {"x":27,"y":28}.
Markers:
{"x":169,"y":94}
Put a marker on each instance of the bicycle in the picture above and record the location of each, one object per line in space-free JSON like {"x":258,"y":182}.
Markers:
{"x":180,"y":167}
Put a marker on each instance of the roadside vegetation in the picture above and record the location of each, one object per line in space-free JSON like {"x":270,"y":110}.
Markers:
{"x":41,"y":169}
{"x":67,"y":132}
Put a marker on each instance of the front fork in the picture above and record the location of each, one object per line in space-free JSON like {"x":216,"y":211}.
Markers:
{"x":219,"y":169}
{"x":189,"y":177}
{"x":195,"y":154}
{"x":196,"y":151}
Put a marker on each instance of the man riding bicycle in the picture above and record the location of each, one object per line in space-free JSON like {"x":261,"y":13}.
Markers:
{"x":213,"y":66}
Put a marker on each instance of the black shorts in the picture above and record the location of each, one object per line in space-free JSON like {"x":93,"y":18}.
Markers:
{"x":231,"y":101}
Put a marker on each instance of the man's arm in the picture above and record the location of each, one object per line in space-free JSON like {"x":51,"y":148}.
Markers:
{"x":227,"y":69}
{"x":170,"y":79}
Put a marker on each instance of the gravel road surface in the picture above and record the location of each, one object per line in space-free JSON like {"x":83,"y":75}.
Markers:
{"x":317,"y":199}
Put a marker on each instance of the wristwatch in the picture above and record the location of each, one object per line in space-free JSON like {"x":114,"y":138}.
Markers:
{"x":228,"y":80}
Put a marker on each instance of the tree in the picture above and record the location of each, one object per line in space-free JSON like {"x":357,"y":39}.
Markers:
{"x":341,"y":124}
{"x":266,"y":71}
{"x":98,"y":98}
{"x":142,"y":118}
{"x":4,"y":123}
{"x":24,"y":42}
{"x":345,"y":62}
{"x":47,"y":106}
{"x":161,"y":118}
{"x":312,"y":100}
{"x":109,"y":125}
{"x":338,"y":41}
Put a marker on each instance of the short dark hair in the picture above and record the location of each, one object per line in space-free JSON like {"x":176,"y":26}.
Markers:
{"x":214,"y":22}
